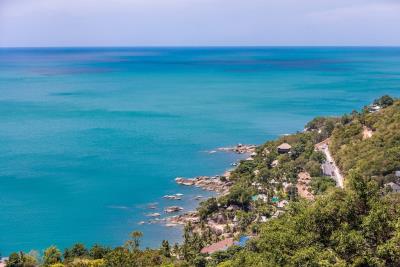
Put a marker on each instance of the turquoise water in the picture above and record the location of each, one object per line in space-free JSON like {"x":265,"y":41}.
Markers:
{"x":88,"y":137}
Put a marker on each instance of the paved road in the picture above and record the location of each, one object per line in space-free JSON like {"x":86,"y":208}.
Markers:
{"x":330,"y":166}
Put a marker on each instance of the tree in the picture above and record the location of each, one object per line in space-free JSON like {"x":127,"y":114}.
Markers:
{"x":98,"y":251}
{"x":389,"y":251}
{"x":244,"y":219}
{"x":318,"y":156}
{"x":199,"y":261}
{"x":313,"y":168}
{"x":15,"y":260}
{"x":349,"y":243}
{"x":52,"y":255}
{"x":297,"y":150}
{"x":384,"y":101}
{"x":364,"y":189}
{"x":134,"y":243}
{"x":165,"y":248}
{"x":320,"y":184}
{"x":238,"y":196}
{"x":207,"y":207}
{"x":76,"y":251}
{"x":21,"y":259}
{"x":79,"y":262}
{"x":118,"y":257}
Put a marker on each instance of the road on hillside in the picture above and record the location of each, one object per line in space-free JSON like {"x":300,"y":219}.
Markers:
{"x":329,"y":166}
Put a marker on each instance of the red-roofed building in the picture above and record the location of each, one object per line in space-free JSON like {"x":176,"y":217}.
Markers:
{"x":219,"y":246}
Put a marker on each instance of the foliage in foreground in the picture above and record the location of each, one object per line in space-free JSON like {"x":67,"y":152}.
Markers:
{"x":353,"y":227}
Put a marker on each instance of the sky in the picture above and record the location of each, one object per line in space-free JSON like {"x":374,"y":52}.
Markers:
{"x":44,"y":23}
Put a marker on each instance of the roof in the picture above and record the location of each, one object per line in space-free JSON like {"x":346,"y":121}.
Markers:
{"x":219,"y":246}
{"x":375,"y":107}
{"x":285,"y":146}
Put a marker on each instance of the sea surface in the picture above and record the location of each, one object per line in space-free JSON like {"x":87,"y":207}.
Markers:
{"x":90,"y":136}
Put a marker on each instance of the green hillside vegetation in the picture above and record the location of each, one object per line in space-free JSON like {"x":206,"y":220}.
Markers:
{"x":355,"y":226}
{"x":320,"y":184}
{"x":378,"y":156}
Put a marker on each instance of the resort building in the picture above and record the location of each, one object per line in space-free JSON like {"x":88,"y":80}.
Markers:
{"x":282,"y":204}
{"x":225,"y":244}
{"x":284,"y":148}
{"x":374,"y":108}
{"x":219,"y":246}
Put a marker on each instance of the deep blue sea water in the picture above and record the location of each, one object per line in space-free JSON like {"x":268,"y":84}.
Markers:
{"x":89,"y":136}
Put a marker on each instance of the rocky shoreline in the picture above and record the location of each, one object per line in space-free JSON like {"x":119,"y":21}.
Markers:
{"x":240,"y":149}
{"x":218,"y":183}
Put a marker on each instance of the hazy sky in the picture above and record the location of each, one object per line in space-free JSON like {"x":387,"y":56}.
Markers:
{"x":198,"y":22}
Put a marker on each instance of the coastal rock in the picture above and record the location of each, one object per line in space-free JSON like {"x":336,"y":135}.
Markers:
{"x":152,"y":206}
{"x":171,"y":225}
{"x":155,"y":214}
{"x":172,"y":209}
{"x":184,"y":218}
{"x":240,"y":149}
{"x":213,"y":183}
{"x":172,"y":197}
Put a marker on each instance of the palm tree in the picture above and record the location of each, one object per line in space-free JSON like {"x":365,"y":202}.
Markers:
{"x":134,"y":243}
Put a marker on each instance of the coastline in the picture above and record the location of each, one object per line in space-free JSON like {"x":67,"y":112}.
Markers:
{"x":252,"y":199}
{"x":126,"y":147}
{"x":219,"y":185}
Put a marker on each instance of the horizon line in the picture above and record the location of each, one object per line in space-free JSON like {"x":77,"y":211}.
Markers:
{"x":205,"y":46}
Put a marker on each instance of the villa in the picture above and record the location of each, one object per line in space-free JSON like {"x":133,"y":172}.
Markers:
{"x":225,"y":244}
{"x":218,"y":246}
{"x":374,"y":108}
{"x":282,"y":204}
{"x":284,"y":148}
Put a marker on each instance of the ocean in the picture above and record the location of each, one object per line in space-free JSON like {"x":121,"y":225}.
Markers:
{"x":90,"y":136}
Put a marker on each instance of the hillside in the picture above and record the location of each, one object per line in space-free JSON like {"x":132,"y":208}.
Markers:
{"x":283,"y":199}
{"x":378,"y":155}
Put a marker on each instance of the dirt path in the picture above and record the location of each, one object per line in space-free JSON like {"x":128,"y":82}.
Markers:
{"x":367,"y":132}
{"x":303,"y":187}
